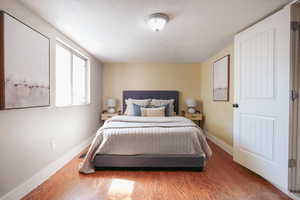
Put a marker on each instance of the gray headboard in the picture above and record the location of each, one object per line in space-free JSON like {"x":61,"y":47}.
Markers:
{"x":152,"y":94}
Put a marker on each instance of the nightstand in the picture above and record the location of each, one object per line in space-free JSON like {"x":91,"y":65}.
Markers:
{"x":195,"y":117}
{"x":106,"y":115}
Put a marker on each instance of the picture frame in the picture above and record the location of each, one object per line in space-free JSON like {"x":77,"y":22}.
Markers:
{"x":24,"y":65}
{"x":221,"y":79}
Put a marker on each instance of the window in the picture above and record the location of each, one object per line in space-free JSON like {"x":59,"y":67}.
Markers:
{"x":72,"y":77}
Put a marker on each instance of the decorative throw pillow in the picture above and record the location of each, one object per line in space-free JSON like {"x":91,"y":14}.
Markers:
{"x":137,"y":110}
{"x":163,"y":102}
{"x":153,"y":112}
{"x":167,"y":109}
{"x":140,"y":102}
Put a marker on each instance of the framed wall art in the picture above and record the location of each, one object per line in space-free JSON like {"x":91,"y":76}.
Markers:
{"x":221,"y":77}
{"x":24,"y":65}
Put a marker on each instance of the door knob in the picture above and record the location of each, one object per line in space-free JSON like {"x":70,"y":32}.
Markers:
{"x":235,"y":105}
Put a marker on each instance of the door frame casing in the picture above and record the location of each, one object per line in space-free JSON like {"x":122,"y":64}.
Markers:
{"x":294,"y":102}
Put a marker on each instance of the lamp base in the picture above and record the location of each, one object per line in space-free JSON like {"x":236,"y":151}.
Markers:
{"x":111,"y":110}
{"x":191,"y":110}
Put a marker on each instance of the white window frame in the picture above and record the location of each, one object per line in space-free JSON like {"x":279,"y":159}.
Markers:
{"x":87,"y":74}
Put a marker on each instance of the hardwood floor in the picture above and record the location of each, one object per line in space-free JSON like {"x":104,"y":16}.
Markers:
{"x":222,"y":180}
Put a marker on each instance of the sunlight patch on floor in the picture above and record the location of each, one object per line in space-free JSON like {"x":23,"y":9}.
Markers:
{"x":121,"y":189}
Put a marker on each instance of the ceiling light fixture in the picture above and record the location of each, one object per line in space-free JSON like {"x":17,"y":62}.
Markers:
{"x":157,"y":21}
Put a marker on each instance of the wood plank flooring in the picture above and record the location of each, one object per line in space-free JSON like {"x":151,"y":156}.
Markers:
{"x":222,"y":180}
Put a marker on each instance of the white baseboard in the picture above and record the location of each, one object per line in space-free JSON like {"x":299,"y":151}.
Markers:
{"x":41,"y":176}
{"x":223,"y":145}
{"x":53,"y":167}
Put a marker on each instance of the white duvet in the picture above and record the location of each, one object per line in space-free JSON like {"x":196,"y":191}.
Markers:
{"x":129,"y":135}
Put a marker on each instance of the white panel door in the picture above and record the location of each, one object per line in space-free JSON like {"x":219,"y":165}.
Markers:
{"x":261,"y":122}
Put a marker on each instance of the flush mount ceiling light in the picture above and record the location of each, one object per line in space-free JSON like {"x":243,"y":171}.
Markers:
{"x":157,"y":21}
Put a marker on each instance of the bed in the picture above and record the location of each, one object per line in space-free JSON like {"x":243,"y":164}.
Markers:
{"x":148,"y":142}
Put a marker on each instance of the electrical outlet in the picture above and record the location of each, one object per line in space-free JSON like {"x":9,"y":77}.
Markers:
{"x":53,"y":145}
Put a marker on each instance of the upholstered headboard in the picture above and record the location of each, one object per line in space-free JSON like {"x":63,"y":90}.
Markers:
{"x":152,"y":94}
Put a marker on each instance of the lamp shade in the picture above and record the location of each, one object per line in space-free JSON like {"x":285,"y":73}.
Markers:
{"x":111,"y":102}
{"x":191,"y":102}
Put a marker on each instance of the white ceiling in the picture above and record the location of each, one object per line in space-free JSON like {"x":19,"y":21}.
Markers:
{"x":115,"y":30}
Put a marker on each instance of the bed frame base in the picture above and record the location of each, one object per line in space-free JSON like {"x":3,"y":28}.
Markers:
{"x":196,"y":169}
{"x":174,"y":162}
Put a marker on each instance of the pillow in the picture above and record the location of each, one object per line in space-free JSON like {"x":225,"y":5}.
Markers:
{"x":167,"y":108}
{"x":137,"y":110}
{"x":162,"y":102}
{"x":153,"y":112}
{"x":140,"y":102}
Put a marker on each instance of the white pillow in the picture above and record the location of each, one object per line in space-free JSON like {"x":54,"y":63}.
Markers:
{"x":153,"y":112}
{"x":140,"y":102}
{"x":163,"y":102}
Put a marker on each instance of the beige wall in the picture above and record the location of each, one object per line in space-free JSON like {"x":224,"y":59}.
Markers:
{"x":218,"y":115}
{"x":25,"y":134}
{"x":182,"y":77}
{"x":192,"y":80}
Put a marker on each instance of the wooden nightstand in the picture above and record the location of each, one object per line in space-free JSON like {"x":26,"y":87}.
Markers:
{"x":106,"y":115}
{"x":195,"y":117}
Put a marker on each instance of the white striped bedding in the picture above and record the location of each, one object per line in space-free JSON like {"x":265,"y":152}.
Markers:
{"x":129,"y":135}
